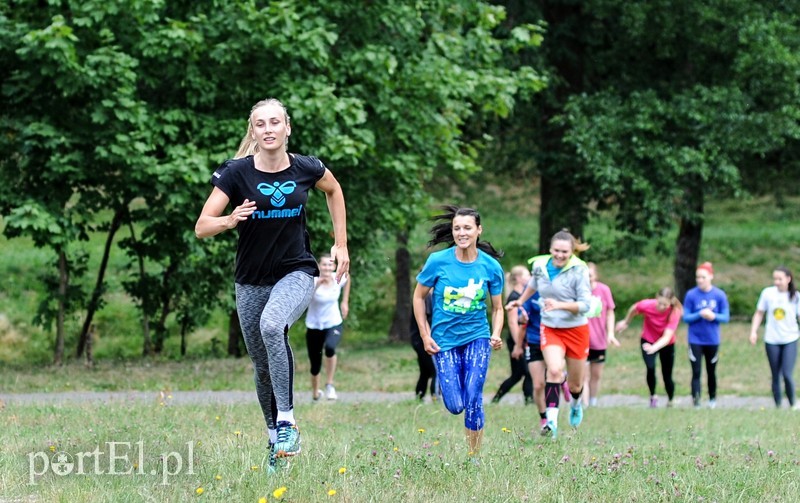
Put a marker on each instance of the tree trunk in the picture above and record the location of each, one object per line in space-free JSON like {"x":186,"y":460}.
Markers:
{"x":559,"y":209}
{"x":184,"y":331}
{"x":690,"y":234}
{"x":147,"y":346}
{"x":63,"y":284}
{"x":89,"y":352}
{"x":399,"y":330}
{"x":235,"y":337}
{"x":94,"y":302}
{"x":161,"y":324}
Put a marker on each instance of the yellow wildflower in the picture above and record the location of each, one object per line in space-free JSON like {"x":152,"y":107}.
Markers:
{"x":199,"y":491}
{"x":342,"y":470}
{"x":332,"y":492}
{"x":278,"y":493}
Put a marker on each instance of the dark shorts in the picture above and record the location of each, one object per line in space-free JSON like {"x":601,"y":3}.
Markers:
{"x":596,"y":356}
{"x":533,"y":353}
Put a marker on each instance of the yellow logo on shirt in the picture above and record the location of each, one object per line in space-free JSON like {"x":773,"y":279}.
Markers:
{"x":779,"y":314}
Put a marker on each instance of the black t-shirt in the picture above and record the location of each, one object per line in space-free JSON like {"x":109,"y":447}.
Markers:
{"x":514,"y":295}
{"x":274,"y":241}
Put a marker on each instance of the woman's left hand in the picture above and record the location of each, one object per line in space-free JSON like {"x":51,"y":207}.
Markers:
{"x":496,"y":342}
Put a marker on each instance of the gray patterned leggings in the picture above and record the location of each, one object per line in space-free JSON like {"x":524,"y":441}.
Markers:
{"x":265,"y":314}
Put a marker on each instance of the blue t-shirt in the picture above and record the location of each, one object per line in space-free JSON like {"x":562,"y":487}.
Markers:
{"x":534,"y":310}
{"x":701,"y":331}
{"x":553,"y":270}
{"x":459,"y":296}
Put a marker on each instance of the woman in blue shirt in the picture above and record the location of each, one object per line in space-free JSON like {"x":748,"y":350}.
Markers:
{"x":461,"y":277}
{"x":534,"y":356}
{"x":705,"y":307}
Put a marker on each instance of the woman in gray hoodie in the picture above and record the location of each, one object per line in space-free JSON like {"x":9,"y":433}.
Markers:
{"x":562,"y":280}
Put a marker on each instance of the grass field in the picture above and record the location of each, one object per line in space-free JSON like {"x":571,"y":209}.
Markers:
{"x":744,"y":238}
{"x":742,"y":370}
{"x":395,"y":452}
{"x":402,"y":451}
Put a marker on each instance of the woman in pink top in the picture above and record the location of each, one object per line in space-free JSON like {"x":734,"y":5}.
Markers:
{"x":601,"y":333}
{"x":661,"y":318}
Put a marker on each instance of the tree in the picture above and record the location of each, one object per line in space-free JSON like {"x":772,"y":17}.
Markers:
{"x":678,"y":127}
{"x":125,"y":108}
{"x":655,"y":106}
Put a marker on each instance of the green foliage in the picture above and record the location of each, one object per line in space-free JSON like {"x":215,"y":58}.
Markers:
{"x":128,"y":106}
{"x":712,"y":94}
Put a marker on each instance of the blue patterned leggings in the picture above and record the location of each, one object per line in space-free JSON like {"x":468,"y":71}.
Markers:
{"x":461,"y":372}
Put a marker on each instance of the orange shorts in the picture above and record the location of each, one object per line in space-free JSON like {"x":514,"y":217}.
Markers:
{"x":574,"y":341}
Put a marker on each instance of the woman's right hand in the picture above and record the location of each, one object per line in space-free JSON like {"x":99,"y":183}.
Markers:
{"x":241,"y":213}
{"x":430,"y":345}
{"x":753,"y":338}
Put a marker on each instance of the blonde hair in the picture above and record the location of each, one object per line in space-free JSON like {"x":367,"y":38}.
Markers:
{"x":667,"y":293}
{"x":249,"y":145}
{"x":516,"y":272}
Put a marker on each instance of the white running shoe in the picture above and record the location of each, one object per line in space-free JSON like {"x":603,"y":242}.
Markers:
{"x":330,"y":392}
{"x":317,"y":395}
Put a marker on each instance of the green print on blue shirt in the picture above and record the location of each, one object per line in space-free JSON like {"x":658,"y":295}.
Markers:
{"x":464,"y":299}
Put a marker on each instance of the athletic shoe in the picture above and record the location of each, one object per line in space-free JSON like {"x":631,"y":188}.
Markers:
{"x":528,"y":400}
{"x":550,"y":428}
{"x":317,"y":395}
{"x":272,"y":464}
{"x":544,"y":430}
{"x":712,"y":404}
{"x":496,"y":398}
{"x":575,"y":415}
{"x":330,"y":392}
{"x":653,"y":402}
{"x":670,"y":404}
{"x":288,"y":443}
{"x":276,"y":464}
{"x":696,"y":401}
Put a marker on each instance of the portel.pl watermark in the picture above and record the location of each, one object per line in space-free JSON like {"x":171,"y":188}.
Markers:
{"x":111,"y":458}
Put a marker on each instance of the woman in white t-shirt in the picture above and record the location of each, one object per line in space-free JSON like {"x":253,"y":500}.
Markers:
{"x":780,"y":305}
{"x":324,"y":324}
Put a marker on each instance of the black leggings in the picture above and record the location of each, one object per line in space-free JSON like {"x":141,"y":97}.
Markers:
{"x":667,"y":357}
{"x":317,"y":339}
{"x":711,"y":355}
{"x":519,"y":372}
{"x":781,"y":362}
{"x":427,"y":371}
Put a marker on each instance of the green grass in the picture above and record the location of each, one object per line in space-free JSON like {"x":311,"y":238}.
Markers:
{"x":401,"y":452}
{"x":744,"y":239}
{"x":742,"y":370}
